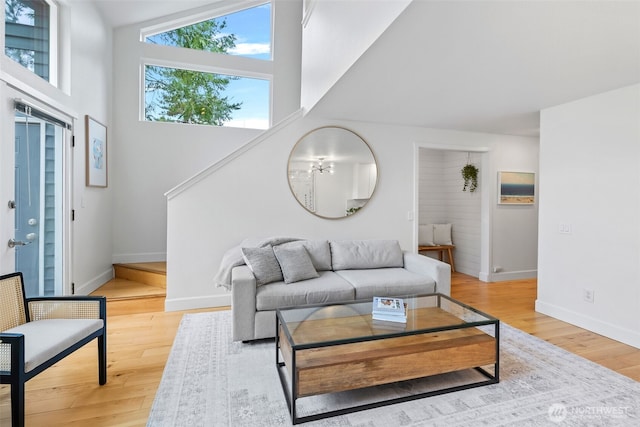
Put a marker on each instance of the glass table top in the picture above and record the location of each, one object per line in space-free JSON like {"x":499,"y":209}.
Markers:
{"x":332,"y":324}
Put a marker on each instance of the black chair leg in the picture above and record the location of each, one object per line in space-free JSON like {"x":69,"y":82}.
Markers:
{"x":102,"y":359}
{"x":17,"y":404}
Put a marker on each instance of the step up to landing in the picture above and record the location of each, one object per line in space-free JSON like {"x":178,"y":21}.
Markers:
{"x":136,"y":288}
{"x":149,"y":273}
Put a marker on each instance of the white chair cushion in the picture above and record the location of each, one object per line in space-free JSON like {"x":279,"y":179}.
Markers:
{"x":43,"y":339}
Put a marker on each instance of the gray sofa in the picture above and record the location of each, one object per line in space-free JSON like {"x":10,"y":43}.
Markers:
{"x":319,"y":271}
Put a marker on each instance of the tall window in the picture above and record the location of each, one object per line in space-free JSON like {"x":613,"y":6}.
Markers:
{"x":27,"y":34}
{"x":236,"y":98}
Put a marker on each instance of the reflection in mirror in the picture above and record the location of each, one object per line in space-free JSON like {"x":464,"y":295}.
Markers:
{"x":332,"y":172}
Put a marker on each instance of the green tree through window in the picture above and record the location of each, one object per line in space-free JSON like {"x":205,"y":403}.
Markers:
{"x":187,"y":96}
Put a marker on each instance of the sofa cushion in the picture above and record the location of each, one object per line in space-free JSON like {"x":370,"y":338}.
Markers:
{"x":318,"y":250}
{"x":387,"y":282}
{"x":361,"y":254}
{"x":294,"y":263}
{"x":263,"y":264}
{"x":328,"y":287}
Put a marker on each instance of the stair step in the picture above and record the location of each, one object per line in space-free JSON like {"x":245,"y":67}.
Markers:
{"x":117,"y":306}
{"x":154,"y":274}
{"x":121,"y":289}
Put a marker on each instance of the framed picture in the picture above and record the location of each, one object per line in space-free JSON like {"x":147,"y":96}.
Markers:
{"x":516,"y":188}
{"x":96,"y":152}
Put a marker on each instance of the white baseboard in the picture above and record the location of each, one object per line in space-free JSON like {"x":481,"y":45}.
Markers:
{"x":93,"y":284}
{"x":141,"y":257}
{"x":508,"y":275}
{"x":179,"y":304}
{"x":615,"y":332}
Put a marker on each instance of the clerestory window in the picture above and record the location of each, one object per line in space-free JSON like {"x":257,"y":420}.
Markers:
{"x":29,"y":25}
{"x":243,"y":33}
{"x":237,"y":97}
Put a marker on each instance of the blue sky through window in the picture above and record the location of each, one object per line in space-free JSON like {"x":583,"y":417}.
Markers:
{"x":252,"y":28}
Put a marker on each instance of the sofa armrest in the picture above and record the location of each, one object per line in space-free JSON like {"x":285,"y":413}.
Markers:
{"x":243,"y":303}
{"x":437,"y":270}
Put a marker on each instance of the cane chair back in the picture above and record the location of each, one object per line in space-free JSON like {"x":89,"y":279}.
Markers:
{"x":12,"y":309}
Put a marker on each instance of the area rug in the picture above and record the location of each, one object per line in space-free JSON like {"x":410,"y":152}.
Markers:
{"x":209,"y":380}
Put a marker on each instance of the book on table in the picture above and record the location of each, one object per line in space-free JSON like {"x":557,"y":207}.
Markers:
{"x":385,"y":325}
{"x":389,"y":309}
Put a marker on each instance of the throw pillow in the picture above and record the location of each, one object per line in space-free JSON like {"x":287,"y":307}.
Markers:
{"x":425,"y":235}
{"x":263,"y":264}
{"x":295,"y":263}
{"x":318,"y":251}
{"x":442,"y":234}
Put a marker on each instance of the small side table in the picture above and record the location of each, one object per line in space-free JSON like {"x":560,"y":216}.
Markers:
{"x":440,"y":249}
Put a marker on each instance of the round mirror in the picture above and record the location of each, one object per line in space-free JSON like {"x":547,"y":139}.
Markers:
{"x":332,"y":172}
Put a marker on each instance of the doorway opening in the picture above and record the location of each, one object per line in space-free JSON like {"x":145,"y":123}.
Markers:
{"x":440,"y":199}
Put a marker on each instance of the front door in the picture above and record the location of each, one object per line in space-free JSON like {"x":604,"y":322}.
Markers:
{"x":37,"y":244}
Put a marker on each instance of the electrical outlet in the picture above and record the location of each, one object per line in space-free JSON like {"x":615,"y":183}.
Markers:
{"x":587,"y":295}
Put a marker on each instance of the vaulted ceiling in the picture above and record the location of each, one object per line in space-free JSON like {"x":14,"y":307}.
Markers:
{"x":489,"y":66}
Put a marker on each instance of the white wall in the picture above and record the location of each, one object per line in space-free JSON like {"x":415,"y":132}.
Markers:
{"x":514,"y":236}
{"x":85,"y":88}
{"x":91,"y":92}
{"x":335,"y":34}
{"x":590,"y":158}
{"x":249,"y":197}
{"x":150,"y":158}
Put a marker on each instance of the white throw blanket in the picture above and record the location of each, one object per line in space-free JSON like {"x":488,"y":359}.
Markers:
{"x":233,"y":257}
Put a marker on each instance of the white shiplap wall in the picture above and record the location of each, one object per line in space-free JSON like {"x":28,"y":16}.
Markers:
{"x":441,"y":200}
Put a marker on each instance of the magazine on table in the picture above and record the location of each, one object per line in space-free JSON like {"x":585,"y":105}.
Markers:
{"x":388,"y":305}
{"x":389,"y":309}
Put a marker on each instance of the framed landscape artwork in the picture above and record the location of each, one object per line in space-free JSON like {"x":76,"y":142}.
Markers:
{"x":96,"y":152}
{"x":516,"y":188}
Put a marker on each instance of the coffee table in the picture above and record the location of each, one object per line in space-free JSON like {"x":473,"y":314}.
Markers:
{"x":337,"y":347}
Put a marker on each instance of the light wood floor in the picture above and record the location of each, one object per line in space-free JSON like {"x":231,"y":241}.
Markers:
{"x":139,"y":343}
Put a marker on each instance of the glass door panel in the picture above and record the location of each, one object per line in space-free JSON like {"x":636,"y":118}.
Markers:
{"x":38,"y":204}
